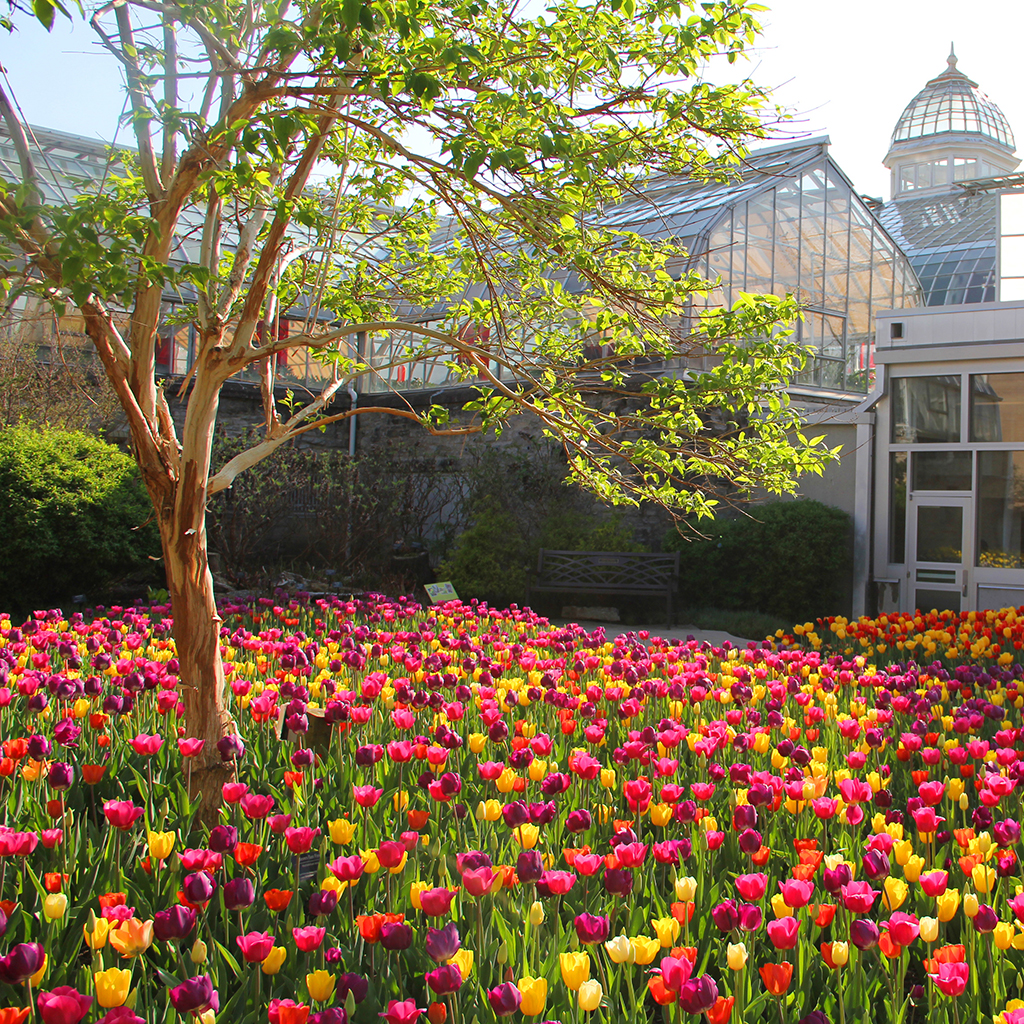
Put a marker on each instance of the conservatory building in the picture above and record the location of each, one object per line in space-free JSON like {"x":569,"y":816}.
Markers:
{"x":940,"y":497}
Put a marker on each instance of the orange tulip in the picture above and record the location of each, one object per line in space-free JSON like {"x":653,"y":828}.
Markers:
{"x":247,"y":853}
{"x":776,"y":977}
{"x":417,"y":819}
{"x":888,"y":946}
{"x":721,"y":1011}
{"x":277,"y":899}
{"x":14,"y":1014}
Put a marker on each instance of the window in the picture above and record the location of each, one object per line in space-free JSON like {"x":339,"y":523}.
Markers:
{"x":997,"y":407}
{"x":897,"y":507}
{"x":926,"y":410}
{"x":942,"y":471}
{"x":1000,"y":510}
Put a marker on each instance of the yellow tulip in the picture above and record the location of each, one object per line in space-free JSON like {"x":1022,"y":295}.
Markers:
{"x":198,"y":952}
{"x":55,"y":905}
{"x":477,"y":742}
{"x":334,"y":884}
{"x":608,"y":778}
{"x":645,"y":949}
{"x":620,"y":950}
{"x":527,"y":835}
{"x":575,"y":969}
{"x":416,"y":889}
{"x":983,"y":878}
{"x":535,"y":995}
{"x":341,"y":831}
{"x":946,"y":904}
{"x":667,"y":930}
{"x":780,"y":907}
{"x":488,"y":810}
{"x":903,"y":852}
{"x":686,"y":889}
{"x":970,"y":905}
{"x":736,"y":956}
{"x":930,"y":929}
{"x":589,"y":995}
{"x":161,"y":844}
{"x":274,"y":960}
{"x":840,"y":953}
{"x":538,"y":769}
{"x":371,"y":865}
{"x":895,"y":893}
{"x":913,"y":868}
{"x":320,"y":985}
{"x":536,"y":913}
{"x":1003,"y":935}
{"x":112,"y":987}
{"x":506,"y":781}
{"x":132,"y":937}
{"x":95,"y":932}
{"x":400,"y":801}
{"x":464,"y":961}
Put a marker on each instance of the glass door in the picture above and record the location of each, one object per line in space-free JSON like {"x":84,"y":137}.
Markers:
{"x":939,"y":552}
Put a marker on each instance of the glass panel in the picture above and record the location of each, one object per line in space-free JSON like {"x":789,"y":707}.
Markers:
{"x":1000,"y":509}
{"x":999,"y":597}
{"x":926,"y":410}
{"x":942,"y":471}
{"x":937,"y":600}
{"x":1011,"y":213}
{"x":897,"y":507}
{"x":997,"y":407}
{"x":940,"y":531}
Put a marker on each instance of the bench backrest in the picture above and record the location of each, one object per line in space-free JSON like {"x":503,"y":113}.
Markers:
{"x":608,"y":568}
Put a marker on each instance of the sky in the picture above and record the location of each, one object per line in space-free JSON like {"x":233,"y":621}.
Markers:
{"x":845,"y":70}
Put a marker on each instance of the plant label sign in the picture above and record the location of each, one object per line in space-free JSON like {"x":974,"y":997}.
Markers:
{"x":441,"y":592}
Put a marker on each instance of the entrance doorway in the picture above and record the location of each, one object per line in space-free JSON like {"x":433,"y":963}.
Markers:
{"x":939,"y":552}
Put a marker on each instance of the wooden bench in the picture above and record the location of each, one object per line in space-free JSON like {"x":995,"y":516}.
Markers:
{"x":607,"y":572}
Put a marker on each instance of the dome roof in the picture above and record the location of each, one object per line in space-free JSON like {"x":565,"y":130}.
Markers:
{"x":952,"y":103}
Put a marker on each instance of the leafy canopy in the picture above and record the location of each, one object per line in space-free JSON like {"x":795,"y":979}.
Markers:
{"x":472,"y":150}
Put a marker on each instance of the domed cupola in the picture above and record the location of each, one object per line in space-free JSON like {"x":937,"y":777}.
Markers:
{"x":950,"y":131}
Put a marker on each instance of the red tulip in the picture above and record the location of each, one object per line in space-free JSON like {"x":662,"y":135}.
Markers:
{"x":64,"y":1005}
{"x":255,"y":946}
{"x":951,"y":978}
{"x":300,"y":840}
{"x":122,"y":814}
{"x":309,"y":938}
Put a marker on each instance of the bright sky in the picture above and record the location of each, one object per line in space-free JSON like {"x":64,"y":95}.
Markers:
{"x":844,"y":69}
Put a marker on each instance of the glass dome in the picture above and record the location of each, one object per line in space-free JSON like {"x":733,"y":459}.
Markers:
{"x":952,"y":103}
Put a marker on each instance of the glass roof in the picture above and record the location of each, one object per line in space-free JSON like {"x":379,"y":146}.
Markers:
{"x":952,"y":103}
{"x":951,"y":242}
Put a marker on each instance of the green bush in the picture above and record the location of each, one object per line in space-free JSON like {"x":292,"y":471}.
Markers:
{"x":489,"y":560}
{"x":75,"y":517}
{"x":786,"y":558}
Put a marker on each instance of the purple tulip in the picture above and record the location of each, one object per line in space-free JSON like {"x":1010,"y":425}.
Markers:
{"x":986,"y":919}
{"x":21,"y":962}
{"x":750,"y":840}
{"x":238,"y":894}
{"x":195,"y":994}
{"x":618,"y":881}
{"x":579,"y":820}
{"x":395,"y":935}
{"x":726,"y":916}
{"x":505,"y":999}
{"x":199,"y":887}
{"x":529,"y":866}
{"x":223,"y":838}
{"x":698,"y":994}
{"x":231,"y":748}
{"x":323,"y":902}
{"x":61,"y":775}
{"x":174,"y":923}
{"x":442,"y":943}
{"x":864,"y":934}
{"x":354,"y":983}
{"x":750,"y":917}
{"x":591,"y":928}
{"x":515,"y":814}
{"x":444,"y":980}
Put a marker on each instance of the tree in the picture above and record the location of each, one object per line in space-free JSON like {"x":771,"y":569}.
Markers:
{"x":473,"y":145}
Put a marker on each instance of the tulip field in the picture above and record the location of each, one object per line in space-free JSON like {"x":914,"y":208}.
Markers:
{"x":460,"y":814}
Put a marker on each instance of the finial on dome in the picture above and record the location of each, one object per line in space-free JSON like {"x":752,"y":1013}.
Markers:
{"x":951,"y":59}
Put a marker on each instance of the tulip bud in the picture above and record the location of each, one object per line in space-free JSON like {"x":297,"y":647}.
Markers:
{"x":198,"y":954}
{"x":502,"y":956}
{"x":840,"y":953}
{"x":965,"y":804}
{"x":536,"y":913}
{"x":970,"y":904}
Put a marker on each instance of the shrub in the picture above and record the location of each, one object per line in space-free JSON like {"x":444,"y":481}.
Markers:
{"x":786,"y":558}
{"x":75,"y":517}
